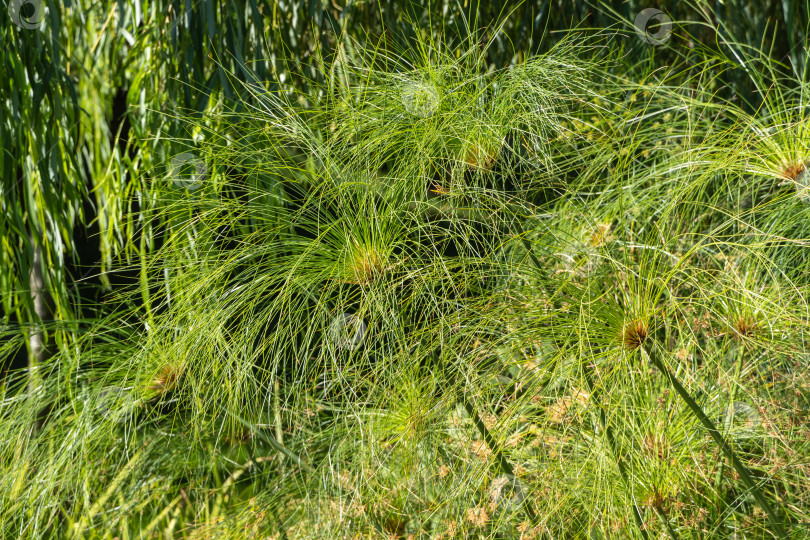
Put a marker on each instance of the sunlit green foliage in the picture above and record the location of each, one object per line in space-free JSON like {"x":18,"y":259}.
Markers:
{"x":428,"y":283}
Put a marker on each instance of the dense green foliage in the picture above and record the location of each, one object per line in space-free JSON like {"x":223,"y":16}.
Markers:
{"x":297,"y":270}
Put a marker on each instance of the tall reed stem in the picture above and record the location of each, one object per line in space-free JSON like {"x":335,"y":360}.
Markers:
{"x":586,"y":371}
{"x":729,"y":416}
{"x":738,"y":465}
{"x":503,"y":463}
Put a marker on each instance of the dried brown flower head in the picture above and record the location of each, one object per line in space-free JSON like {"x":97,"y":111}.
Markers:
{"x":600,"y":235}
{"x":656,"y":446}
{"x":793,"y":171}
{"x":655,"y":499}
{"x":562,"y":409}
{"x":797,"y":173}
{"x":478,"y":516}
{"x":745,"y":326}
{"x":481,"y":154}
{"x":166,"y":380}
{"x":439,"y":189}
{"x":634,"y":334}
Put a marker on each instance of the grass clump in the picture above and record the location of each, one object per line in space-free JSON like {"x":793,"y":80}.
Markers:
{"x":433,"y":299}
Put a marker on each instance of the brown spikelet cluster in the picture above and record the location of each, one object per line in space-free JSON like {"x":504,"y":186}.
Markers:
{"x":655,"y":499}
{"x":481,"y":155}
{"x":365,"y":263}
{"x":634,"y":334}
{"x":655,"y":446}
{"x":567,"y":406}
{"x":166,"y":380}
{"x":600,"y":235}
{"x":745,"y":326}
{"x":478,"y":516}
{"x":438,"y":189}
{"x":793,"y":171}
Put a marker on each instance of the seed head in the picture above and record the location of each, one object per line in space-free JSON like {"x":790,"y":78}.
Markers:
{"x":166,"y":379}
{"x":478,"y":516}
{"x":793,"y":171}
{"x":656,"y":446}
{"x":745,"y":326}
{"x":655,"y":499}
{"x":634,"y":334}
{"x":365,"y":262}
{"x":481,"y":155}
{"x":600,"y":235}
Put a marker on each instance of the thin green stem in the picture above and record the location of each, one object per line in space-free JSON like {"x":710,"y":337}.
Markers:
{"x":729,"y":417}
{"x":609,"y":432}
{"x":503,"y":463}
{"x":738,"y":465}
{"x":612,"y":444}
